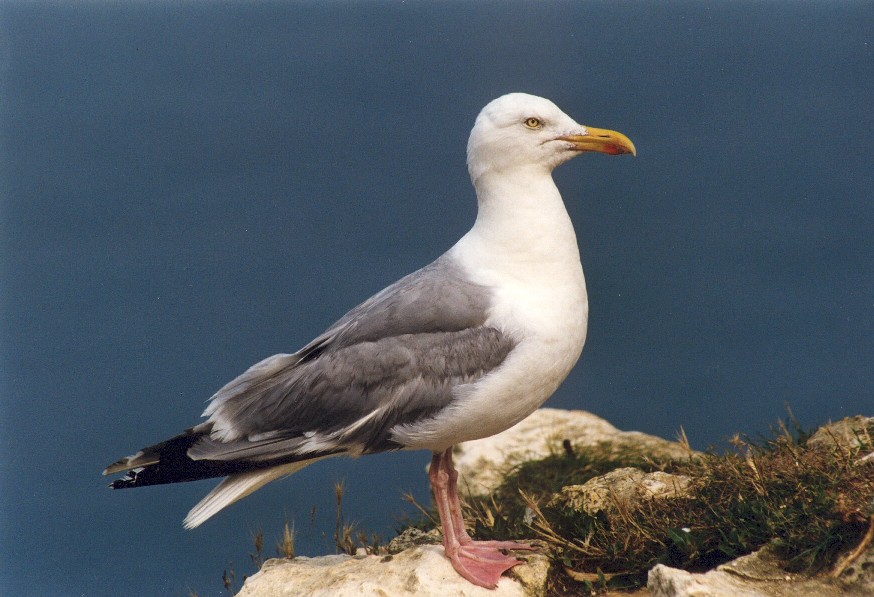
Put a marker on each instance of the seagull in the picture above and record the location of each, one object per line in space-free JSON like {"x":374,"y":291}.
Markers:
{"x":461,"y":349}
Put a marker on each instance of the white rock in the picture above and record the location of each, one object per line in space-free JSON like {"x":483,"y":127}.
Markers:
{"x":760,"y":574}
{"x":623,"y":489}
{"x":848,"y":435}
{"x":482,"y":463}
{"x":664,"y":581}
{"x":417,"y":572}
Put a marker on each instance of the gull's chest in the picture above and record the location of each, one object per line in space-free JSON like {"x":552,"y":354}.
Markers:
{"x":549,"y":318}
{"x":548,"y":321}
{"x":549,"y":310}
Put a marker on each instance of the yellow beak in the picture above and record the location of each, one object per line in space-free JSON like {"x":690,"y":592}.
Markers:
{"x":601,"y":140}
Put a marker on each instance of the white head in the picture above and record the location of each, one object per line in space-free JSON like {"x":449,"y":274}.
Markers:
{"x":518,"y":130}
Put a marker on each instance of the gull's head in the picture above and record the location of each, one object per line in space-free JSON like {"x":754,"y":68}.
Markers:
{"x":521,"y":131}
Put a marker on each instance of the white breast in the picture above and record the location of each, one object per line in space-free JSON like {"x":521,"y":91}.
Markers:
{"x":532,"y":263}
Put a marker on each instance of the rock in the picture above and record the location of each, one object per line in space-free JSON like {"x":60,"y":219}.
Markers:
{"x":664,"y":581}
{"x":858,"y":576}
{"x":421,"y":571}
{"x":482,"y":463}
{"x":622,"y":489}
{"x":413,"y":537}
{"x":846,"y":435}
{"x":760,"y":574}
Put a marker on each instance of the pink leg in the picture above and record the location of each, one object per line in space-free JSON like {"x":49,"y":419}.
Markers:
{"x":480,"y":562}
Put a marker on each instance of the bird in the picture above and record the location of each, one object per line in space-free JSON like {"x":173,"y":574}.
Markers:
{"x":461,"y":349}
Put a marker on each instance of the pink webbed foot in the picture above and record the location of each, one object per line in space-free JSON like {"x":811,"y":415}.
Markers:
{"x":481,"y":563}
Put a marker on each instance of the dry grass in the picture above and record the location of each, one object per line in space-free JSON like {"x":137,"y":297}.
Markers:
{"x":285,"y":546}
{"x":808,"y":504}
{"x":348,"y":538}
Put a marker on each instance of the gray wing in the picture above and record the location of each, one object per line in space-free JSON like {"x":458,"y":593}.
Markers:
{"x":392,"y":360}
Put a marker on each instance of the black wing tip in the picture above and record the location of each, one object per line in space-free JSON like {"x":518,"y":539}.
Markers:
{"x":129,"y":480}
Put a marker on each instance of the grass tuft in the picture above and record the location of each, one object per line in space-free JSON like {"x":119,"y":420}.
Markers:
{"x":807,"y":504}
{"x":258,"y":542}
{"x":285,"y":546}
{"x":229,"y":579}
{"x":348,"y":538}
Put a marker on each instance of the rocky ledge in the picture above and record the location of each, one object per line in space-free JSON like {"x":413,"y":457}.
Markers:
{"x":413,"y":564}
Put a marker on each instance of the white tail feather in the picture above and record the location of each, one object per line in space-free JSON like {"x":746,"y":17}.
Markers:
{"x":237,"y":487}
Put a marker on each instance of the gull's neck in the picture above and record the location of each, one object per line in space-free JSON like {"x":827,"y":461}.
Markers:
{"x":522,"y":228}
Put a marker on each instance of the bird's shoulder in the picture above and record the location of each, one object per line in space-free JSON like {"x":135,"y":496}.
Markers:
{"x":436,"y":298}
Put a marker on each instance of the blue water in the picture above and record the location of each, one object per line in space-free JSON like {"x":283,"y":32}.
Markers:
{"x":188,"y":188}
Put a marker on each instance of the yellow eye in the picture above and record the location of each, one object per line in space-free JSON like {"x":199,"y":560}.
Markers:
{"x":533,"y":123}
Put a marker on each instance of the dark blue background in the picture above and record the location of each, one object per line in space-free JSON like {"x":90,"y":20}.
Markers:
{"x":188,"y":188}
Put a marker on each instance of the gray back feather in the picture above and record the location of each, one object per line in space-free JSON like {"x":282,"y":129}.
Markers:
{"x":393,"y":359}
{"x":436,"y":298}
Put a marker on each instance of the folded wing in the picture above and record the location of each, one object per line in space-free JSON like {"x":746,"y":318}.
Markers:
{"x":396,"y":359}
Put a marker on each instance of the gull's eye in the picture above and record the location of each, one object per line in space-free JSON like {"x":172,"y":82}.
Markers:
{"x":533,"y":123}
